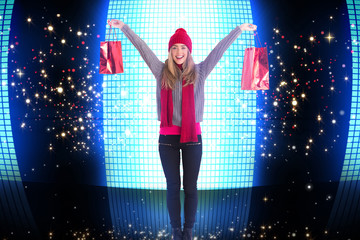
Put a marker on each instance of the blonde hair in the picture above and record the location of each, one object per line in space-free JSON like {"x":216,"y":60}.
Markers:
{"x":171,"y":73}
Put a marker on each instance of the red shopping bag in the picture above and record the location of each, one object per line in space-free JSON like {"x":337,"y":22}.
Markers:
{"x":255,"y":73}
{"x":111,"y":57}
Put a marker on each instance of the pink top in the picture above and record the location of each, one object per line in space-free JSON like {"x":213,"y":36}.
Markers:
{"x":176,"y":130}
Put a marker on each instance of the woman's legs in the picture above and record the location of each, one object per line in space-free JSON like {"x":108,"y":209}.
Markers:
{"x":170,"y":159}
{"x":191,"y":158}
{"x":169,"y":150}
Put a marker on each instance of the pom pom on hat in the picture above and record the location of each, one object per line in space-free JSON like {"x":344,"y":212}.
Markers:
{"x":180,"y":30}
{"x":180,"y":36}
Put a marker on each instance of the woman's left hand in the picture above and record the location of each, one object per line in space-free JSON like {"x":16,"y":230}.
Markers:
{"x":248,"y":27}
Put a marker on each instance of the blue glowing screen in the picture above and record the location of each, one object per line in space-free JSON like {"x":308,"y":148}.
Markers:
{"x":351,"y":165}
{"x":130,"y":120}
{"x":9,"y":169}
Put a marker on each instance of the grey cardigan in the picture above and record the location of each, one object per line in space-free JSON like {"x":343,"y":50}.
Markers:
{"x":204,"y":68}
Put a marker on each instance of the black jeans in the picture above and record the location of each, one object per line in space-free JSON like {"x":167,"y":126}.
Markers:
{"x":169,"y":149}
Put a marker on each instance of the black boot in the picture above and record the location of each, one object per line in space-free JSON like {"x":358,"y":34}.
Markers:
{"x":176,"y":234}
{"x":187,"y":234}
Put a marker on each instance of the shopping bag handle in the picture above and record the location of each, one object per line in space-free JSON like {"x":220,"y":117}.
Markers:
{"x":258,"y":39}
{"x":256,"y":34}
{"x":114,"y":33}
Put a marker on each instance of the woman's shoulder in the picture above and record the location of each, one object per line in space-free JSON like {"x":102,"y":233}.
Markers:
{"x":198,"y":67}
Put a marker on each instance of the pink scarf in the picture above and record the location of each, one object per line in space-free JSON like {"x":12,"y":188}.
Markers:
{"x":188,"y":130}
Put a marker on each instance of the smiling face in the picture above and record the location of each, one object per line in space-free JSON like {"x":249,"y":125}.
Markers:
{"x":179,"y":53}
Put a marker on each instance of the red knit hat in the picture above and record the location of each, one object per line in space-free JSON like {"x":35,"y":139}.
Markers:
{"x":180,"y":36}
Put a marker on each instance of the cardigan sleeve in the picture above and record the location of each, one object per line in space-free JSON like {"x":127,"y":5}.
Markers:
{"x":215,"y":55}
{"x":146,"y":53}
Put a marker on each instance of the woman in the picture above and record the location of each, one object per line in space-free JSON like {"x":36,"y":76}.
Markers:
{"x":180,"y":108}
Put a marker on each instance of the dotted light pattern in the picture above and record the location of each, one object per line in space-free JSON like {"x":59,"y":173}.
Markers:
{"x":130,"y":121}
{"x":9,"y":169}
{"x":350,"y":171}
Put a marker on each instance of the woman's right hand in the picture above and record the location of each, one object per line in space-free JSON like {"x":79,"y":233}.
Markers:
{"x":248,"y":27}
{"x":115,"y":23}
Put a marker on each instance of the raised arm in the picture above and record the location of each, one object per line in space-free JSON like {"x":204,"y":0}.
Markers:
{"x":146,"y":53}
{"x":215,"y":55}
